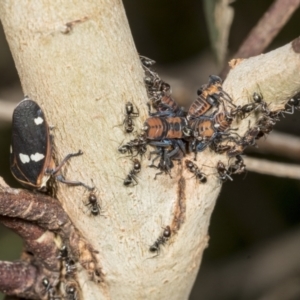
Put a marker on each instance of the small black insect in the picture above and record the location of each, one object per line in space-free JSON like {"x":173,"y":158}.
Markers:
{"x":31,"y":160}
{"x":130,"y":114}
{"x":70,"y":265}
{"x":93,"y":204}
{"x":224,"y":173}
{"x":244,"y":111}
{"x":131,"y":178}
{"x":163,"y":238}
{"x":193,"y":168}
{"x":147,"y":62}
{"x":63,"y":253}
{"x":258,"y":99}
{"x":50,"y":290}
{"x":293,"y":103}
{"x":71,"y":291}
{"x":137,"y":145}
{"x":46,"y":283}
{"x":165,"y":163}
{"x":238,"y":166}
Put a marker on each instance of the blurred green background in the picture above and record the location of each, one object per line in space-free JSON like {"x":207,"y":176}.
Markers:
{"x":255,"y":215}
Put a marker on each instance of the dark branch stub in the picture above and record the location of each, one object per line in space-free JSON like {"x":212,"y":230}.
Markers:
{"x":39,"y":220}
{"x":19,"y":279}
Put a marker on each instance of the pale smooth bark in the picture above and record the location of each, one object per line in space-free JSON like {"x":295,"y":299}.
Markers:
{"x":78,"y":61}
{"x":82,"y":75}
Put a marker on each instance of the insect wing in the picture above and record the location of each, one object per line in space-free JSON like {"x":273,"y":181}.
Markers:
{"x":31,"y":147}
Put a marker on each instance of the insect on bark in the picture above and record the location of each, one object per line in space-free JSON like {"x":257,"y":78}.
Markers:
{"x":31,"y":161}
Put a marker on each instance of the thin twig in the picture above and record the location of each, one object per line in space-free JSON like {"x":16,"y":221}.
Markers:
{"x":266,"y":29}
{"x":272,"y":168}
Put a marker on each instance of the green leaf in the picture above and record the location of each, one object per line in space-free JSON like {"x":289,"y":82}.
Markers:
{"x":219,"y":16}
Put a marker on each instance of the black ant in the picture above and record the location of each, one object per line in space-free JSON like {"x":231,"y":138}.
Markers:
{"x":131,"y":178}
{"x":130,"y":113}
{"x":93,"y":204}
{"x":293,"y":103}
{"x":139,"y":145}
{"x":50,"y":290}
{"x":69,"y":262}
{"x":238,"y":166}
{"x":245,"y":110}
{"x":249,"y":139}
{"x":265,"y":125}
{"x":166,"y":151}
{"x":70,"y":267}
{"x":63,"y":253}
{"x":224,"y":173}
{"x":147,"y":62}
{"x":161,"y":240}
{"x":71,"y":291}
{"x":193,"y":168}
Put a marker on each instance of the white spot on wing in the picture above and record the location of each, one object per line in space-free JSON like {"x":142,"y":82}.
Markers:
{"x":37,"y":157}
{"x":24,"y":158}
{"x":38,"y":120}
{"x":10,"y":149}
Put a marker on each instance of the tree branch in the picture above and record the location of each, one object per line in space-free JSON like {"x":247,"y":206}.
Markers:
{"x":21,"y":206}
{"x":272,"y":168}
{"x":265,"y":30}
{"x":82,"y":75}
{"x":281,"y":144}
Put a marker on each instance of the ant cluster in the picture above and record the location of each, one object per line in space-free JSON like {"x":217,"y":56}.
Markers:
{"x":174,"y":132}
{"x":69,"y":269}
{"x":50,"y":290}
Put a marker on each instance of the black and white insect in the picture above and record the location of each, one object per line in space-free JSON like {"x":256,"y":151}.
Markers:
{"x":31,"y":161}
{"x":50,"y":290}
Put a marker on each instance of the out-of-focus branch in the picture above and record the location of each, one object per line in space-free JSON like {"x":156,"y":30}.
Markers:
{"x":281,"y":144}
{"x":265,"y":268}
{"x":6,"y":109}
{"x":266,"y":29}
{"x":272,"y":168}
